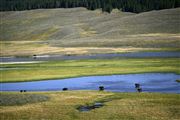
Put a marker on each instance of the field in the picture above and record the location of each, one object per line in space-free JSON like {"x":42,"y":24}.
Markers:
{"x":121,"y":106}
{"x":75,"y":68}
{"x":80,"y":31}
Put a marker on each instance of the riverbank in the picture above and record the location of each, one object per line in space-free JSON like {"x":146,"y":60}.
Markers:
{"x":121,"y":106}
{"x":76,"y":68}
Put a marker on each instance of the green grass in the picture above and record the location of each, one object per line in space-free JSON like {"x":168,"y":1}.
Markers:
{"x":122,"y":106}
{"x":76,"y":68}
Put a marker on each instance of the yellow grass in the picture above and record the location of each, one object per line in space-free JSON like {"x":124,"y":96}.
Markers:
{"x":122,"y":106}
{"x":29,"y":48}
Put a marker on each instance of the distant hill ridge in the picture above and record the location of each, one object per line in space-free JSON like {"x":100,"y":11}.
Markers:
{"x":78,"y":30}
{"x":135,"y":6}
{"x":80,"y":27}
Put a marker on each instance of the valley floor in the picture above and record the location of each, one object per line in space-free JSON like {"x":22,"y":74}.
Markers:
{"x":120,"y":106}
{"x":76,"y":68}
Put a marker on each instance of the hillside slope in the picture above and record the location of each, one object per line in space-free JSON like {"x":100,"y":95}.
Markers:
{"x":79,"y":27}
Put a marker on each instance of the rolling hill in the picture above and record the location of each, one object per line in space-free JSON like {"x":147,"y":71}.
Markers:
{"x":59,"y":31}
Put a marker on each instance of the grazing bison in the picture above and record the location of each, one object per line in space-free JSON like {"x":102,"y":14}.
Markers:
{"x":101,"y":88}
{"x":65,"y":89}
{"x":137,"y":85}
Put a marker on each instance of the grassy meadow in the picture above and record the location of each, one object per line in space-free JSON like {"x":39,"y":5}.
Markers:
{"x":76,"y":68}
{"x":81,"y":31}
{"x":121,"y":106}
{"x":29,"y":48}
{"x":11,"y":99}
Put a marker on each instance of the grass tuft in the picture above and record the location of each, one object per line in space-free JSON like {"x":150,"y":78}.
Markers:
{"x":177,"y":80}
{"x":21,"y":99}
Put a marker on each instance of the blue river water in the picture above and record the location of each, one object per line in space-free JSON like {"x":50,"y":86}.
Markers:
{"x":93,"y":56}
{"x":149,"y":82}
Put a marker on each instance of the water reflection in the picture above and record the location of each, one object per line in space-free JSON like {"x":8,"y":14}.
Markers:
{"x":150,"y":82}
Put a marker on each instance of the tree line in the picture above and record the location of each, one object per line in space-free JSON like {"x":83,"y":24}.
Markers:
{"x":135,"y":6}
